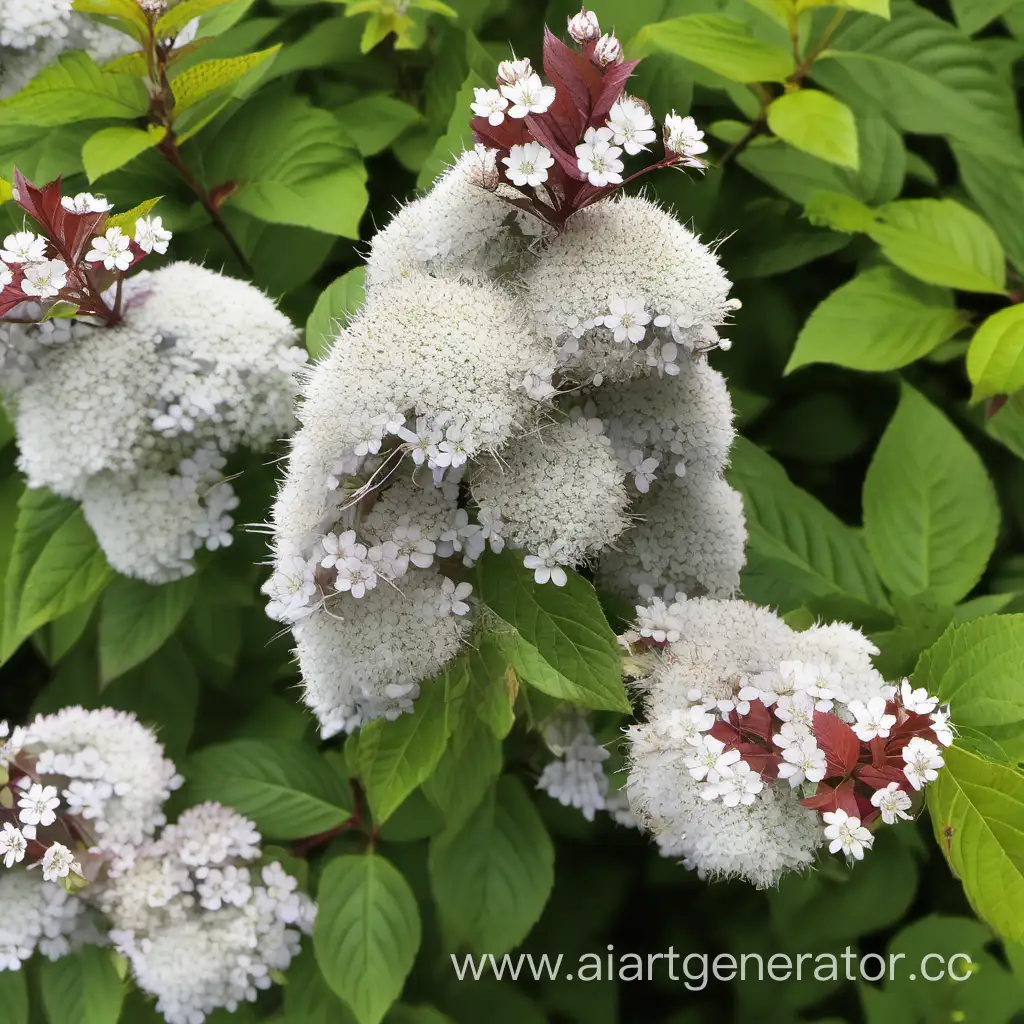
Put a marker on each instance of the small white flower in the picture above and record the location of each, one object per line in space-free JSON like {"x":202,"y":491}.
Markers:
{"x":628,"y":320}
{"x":608,"y":49}
{"x":528,"y":165}
{"x":942,"y":727}
{"x":355,"y":577}
{"x":598,"y":159}
{"x":923,"y":760}
{"x":6,"y":275}
{"x":12,"y":845}
{"x":339,"y":548}
{"x":24,"y":247}
{"x":491,"y":104}
{"x":803,"y":761}
{"x":112,"y":250}
{"x":38,"y":805}
{"x":683,"y":138}
{"x":643,"y":470}
{"x":687,"y":726}
{"x":546,"y":565}
{"x":917,"y":701}
{"x":85,"y":202}
{"x":151,"y":236}
{"x":741,"y":787}
{"x":711,"y":761}
{"x":870,"y":719}
{"x":528,"y":95}
{"x":893,"y":802}
{"x":59,"y":862}
{"x":583,"y":27}
{"x":796,"y":710}
{"x":512,"y":71}
{"x":846,"y":834}
{"x":632,"y":125}
{"x":45,"y":280}
{"x":456,"y":595}
{"x":663,"y":357}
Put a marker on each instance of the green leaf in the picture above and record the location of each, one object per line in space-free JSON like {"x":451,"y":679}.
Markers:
{"x":974,"y":15}
{"x":127,"y":221}
{"x":74,"y":89}
{"x":198,"y":82}
{"x":82,"y":988}
{"x":171,"y":23}
{"x":818,"y":124}
{"x":995,"y":184}
{"x":941,"y":242}
{"x":126,"y":14}
{"x":879,"y":8}
{"x":839,"y":212}
{"x":292,"y":164}
{"x":111,"y":148}
{"x":977,"y":667}
{"x":6,"y":191}
{"x":491,"y":878}
{"x":562,"y":642}
{"x":977,"y":812}
{"x":334,"y":310}
{"x":402,"y":1014}
{"x":880,"y":320}
{"x":374,"y":122}
{"x":930,"y":512}
{"x":467,"y":769}
{"x":308,"y":999}
{"x":492,"y":685}
{"x":367,"y":933}
{"x":70,"y":570}
{"x":796,"y":539}
{"x":286,"y":787}
{"x":722,"y":44}
{"x":995,"y":359}
{"x":136,"y":620}
{"x":13,"y":997}
{"x":458,"y":136}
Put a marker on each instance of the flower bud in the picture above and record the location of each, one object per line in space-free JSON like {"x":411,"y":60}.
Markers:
{"x":511,"y":71}
{"x":583,"y":27}
{"x":608,"y":50}
{"x":483,"y":169}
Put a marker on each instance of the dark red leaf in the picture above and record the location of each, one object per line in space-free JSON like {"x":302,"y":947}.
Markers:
{"x":542,"y":132}
{"x":823,"y":800}
{"x":570,"y":70}
{"x":879,"y":776}
{"x":762,"y":761}
{"x":758,"y":722}
{"x":615,"y":79}
{"x":511,"y":132}
{"x":726,"y":733}
{"x":838,"y":742}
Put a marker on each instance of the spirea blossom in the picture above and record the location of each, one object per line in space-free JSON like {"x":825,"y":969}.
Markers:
{"x":136,"y":420}
{"x":746,"y":762}
{"x":38,"y":915}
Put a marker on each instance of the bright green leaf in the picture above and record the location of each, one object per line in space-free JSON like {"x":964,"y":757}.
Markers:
{"x":285,"y":786}
{"x":338,"y":304}
{"x":880,"y":8}
{"x":193,"y":86}
{"x":838,"y":211}
{"x":880,"y":320}
{"x":308,"y":999}
{"x":374,"y":122}
{"x":818,"y":124}
{"x":367,"y":933}
{"x":930,"y":511}
{"x":127,"y":221}
{"x":492,"y":685}
{"x":467,"y":769}
{"x":6,"y":191}
{"x":171,"y":23}
{"x":995,"y":359}
{"x":13,"y":997}
{"x":722,"y":44}
{"x":83,"y":987}
{"x":111,"y":148}
{"x":492,"y":876}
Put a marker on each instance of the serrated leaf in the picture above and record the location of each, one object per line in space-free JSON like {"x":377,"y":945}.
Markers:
{"x":126,"y":14}
{"x":308,"y":999}
{"x":111,"y":148}
{"x":468,"y":767}
{"x":126,"y":221}
{"x":70,"y":570}
{"x":562,"y":643}
{"x":136,"y":619}
{"x":367,"y":933}
{"x":977,"y":812}
{"x":977,"y":667}
{"x":722,"y":44}
{"x":491,"y":693}
{"x":82,"y":987}
{"x":838,"y":211}
{"x":491,"y":877}
{"x":941,"y":242}
{"x":395,"y":757}
{"x":930,"y":511}
{"x":338,"y":304}
{"x":818,"y":124}
{"x":74,"y":89}
{"x":995,"y":358}
{"x":198,"y":82}
{"x":880,"y":320}
{"x":286,"y":787}
{"x":796,"y":537}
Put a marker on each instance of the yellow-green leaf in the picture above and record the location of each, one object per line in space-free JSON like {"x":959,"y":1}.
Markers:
{"x":818,"y":124}
{"x":111,"y":148}
{"x":127,"y":12}
{"x":995,"y":360}
{"x":722,"y":44}
{"x":838,"y":211}
{"x":880,"y":8}
{"x":6,"y":191}
{"x":202,"y":80}
{"x":181,"y":14}
{"x":126,"y":221}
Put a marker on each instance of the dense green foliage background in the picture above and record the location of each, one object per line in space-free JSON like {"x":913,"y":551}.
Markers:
{"x":880,"y":466}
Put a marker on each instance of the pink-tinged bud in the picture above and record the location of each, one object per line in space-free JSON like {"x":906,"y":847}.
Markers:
{"x":608,"y":49}
{"x":583,"y":27}
{"x":511,"y":71}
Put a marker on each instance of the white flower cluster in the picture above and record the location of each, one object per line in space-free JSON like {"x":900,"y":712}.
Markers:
{"x":577,"y":776}
{"x":136,"y":420}
{"x":202,"y":924}
{"x":502,"y":384}
{"x":731,"y":813}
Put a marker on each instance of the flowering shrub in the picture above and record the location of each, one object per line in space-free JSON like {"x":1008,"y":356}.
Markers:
{"x":630,"y":559}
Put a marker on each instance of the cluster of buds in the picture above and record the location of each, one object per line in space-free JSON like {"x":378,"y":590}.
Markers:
{"x":560,"y":146}
{"x":76,"y":264}
{"x":854,"y":762}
